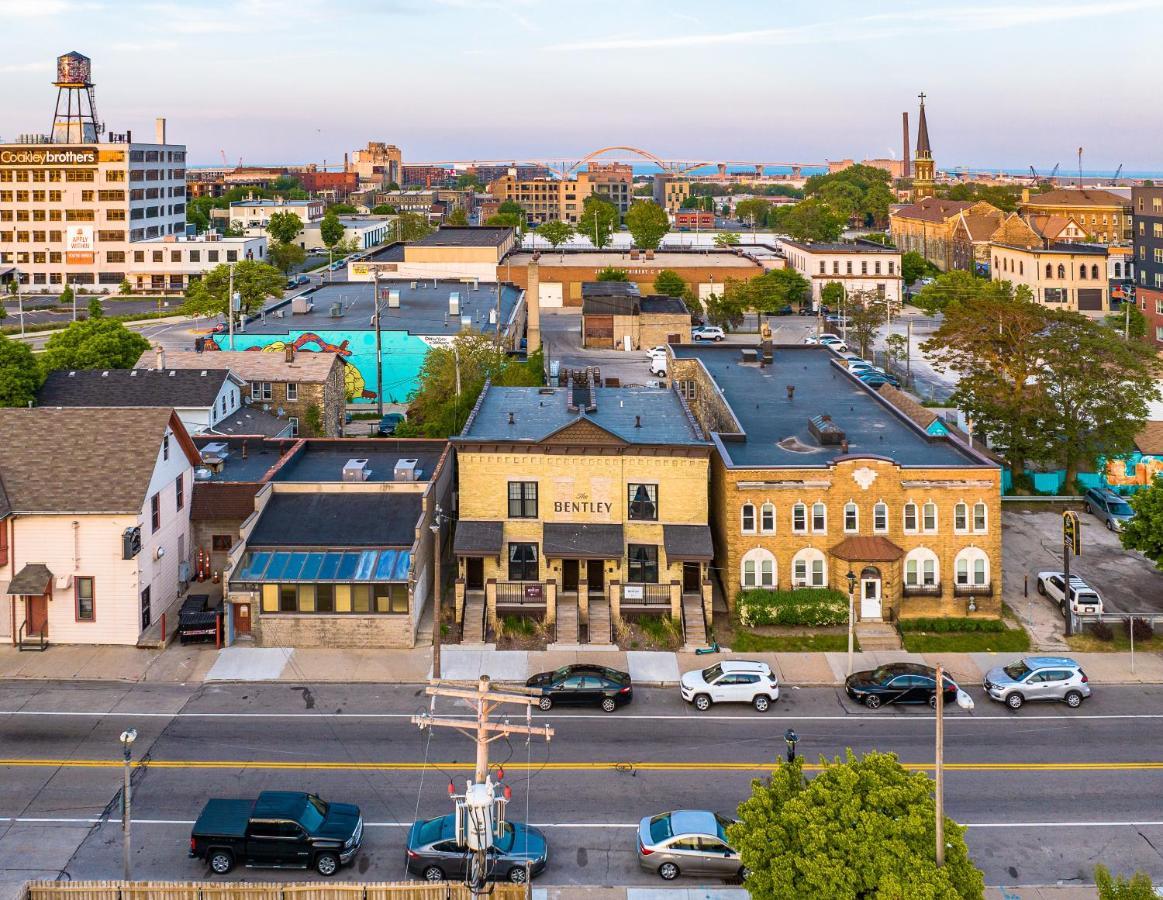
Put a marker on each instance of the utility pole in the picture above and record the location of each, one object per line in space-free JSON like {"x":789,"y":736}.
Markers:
{"x":379,"y":344}
{"x":230,"y":306}
{"x":479,"y":811}
{"x":127,"y":739}
{"x":939,"y":769}
{"x":438,"y":519}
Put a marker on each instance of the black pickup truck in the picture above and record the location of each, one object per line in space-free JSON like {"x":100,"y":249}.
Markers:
{"x":281,"y":829}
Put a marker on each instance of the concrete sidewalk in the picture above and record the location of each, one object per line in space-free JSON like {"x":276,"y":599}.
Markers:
{"x":1036,"y":892}
{"x":196,"y":664}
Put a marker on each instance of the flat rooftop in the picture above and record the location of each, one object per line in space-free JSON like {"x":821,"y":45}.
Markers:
{"x":423,"y":308}
{"x":390,"y":253}
{"x":663,"y":259}
{"x":467,"y":236}
{"x":840,"y":247}
{"x":260,"y":457}
{"x":324,"y":461}
{"x":758,"y":399}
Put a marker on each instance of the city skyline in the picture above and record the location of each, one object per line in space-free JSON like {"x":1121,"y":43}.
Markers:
{"x":1007,"y":85}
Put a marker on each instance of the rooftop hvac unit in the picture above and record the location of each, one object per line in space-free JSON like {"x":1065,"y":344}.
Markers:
{"x":336,"y":311}
{"x":407,"y":470}
{"x":203,"y":474}
{"x":217,"y":448}
{"x":393,"y":299}
{"x":356,"y":470}
{"x":454,"y":303}
{"x":413,"y":285}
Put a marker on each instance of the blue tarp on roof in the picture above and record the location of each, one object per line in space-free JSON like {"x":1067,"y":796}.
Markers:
{"x":315,"y":565}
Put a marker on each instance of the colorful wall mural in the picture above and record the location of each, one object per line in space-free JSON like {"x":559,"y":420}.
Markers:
{"x":403,"y":355}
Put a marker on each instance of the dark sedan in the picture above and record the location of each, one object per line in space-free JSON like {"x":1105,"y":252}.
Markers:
{"x":898,"y":683}
{"x":583,"y":685}
{"x":434,"y":854}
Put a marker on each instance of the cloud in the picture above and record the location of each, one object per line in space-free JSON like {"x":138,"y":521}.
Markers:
{"x":929,"y":20}
{"x":39,"y":9}
{"x":9,"y":68}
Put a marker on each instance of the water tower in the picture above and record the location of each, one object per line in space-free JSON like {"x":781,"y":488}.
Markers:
{"x":75,"y":120}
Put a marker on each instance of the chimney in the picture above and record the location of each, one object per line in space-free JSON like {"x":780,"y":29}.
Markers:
{"x":533,"y":307}
{"x":159,"y":127}
{"x":905,"y":135}
{"x":1025,"y":195}
{"x":844,"y":446}
{"x":160,"y":355}
{"x":791,"y":392}
{"x":289,"y":353}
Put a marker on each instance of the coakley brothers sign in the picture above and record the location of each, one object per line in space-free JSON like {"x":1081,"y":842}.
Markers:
{"x":40,"y":155}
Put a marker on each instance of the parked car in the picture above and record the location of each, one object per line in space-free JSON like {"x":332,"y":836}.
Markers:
{"x":198,"y":620}
{"x":656,"y":351}
{"x":1112,"y":510}
{"x":708,"y":333}
{"x":434,"y":854}
{"x":1084,"y":599}
{"x":389,"y":423}
{"x":877,"y":377}
{"x":658,"y":365}
{"x":731,"y":681}
{"x":687,"y":842}
{"x":281,"y":829}
{"x":583,"y":685}
{"x":1038,"y":678}
{"x":898,"y":683}
{"x":835,"y":343}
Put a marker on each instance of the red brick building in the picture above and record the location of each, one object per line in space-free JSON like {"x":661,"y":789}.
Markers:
{"x":694,"y":220}
{"x":339,"y":183}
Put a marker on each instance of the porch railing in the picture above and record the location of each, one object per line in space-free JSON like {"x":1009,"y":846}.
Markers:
{"x":634,"y":594}
{"x":977,"y":590}
{"x":520,"y":593}
{"x":922,"y":590}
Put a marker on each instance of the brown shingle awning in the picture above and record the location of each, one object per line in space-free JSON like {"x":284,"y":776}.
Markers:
{"x":688,"y":542}
{"x":478,"y":538}
{"x":867,"y":549}
{"x":571,"y":540}
{"x":31,"y":581}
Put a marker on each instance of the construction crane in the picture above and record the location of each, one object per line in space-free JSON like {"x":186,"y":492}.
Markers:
{"x":1118,"y":172}
{"x":226,"y":162}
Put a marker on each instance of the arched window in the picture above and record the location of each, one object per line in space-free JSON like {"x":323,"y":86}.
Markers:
{"x":1082,"y":272}
{"x":980,"y":521}
{"x":971,"y":568}
{"x":757,"y":569}
{"x":880,"y":517}
{"x":809,"y":569}
{"x":1118,"y":270}
{"x":995,"y":263}
{"x":961,"y":518}
{"x":851,"y":517}
{"x":748,"y":518}
{"x":929,"y":517}
{"x":1061,"y":270}
{"x":1021,"y":267}
{"x":819,"y":517}
{"x":1049,"y":271}
{"x":1094,"y":267}
{"x":910,"y":517}
{"x":799,"y":518}
{"x":767,"y":518}
{"x":921,"y":568}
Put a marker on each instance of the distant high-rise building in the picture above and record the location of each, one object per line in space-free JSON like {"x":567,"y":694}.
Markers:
{"x":378,"y":164}
{"x":924,"y":169}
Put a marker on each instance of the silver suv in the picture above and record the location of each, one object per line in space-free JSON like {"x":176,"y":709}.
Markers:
{"x":1038,"y":678}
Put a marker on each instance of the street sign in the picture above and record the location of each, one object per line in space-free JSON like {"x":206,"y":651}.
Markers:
{"x":1072,"y":532}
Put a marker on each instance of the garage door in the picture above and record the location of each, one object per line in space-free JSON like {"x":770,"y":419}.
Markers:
{"x":1090,"y":298}
{"x":599,"y":332}
{"x":550,"y":295}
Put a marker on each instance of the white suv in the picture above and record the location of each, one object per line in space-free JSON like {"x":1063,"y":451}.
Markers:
{"x":707,"y":333}
{"x":731,"y":681}
{"x":1084,"y":600}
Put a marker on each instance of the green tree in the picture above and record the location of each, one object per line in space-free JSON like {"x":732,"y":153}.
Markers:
{"x":670,"y":284}
{"x":411,"y":226}
{"x":860,"y":192}
{"x":1145,"y":531}
{"x":342,"y":209}
{"x":754,"y":212}
{"x":312,"y":424}
{"x":862,"y":829}
{"x":832,"y":295}
{"x":20,"y":376}
{"x":95,"y":310}
{"x":331,"y":230}
{"x":598,"y":220}
{"x":726,"y":309}
{"x":913,"y":266}
{"x":93,"y":344}
{"x":125,"y":288}
{"x":610,"y":273}
{"x":457,"y":217}
{"x":285,"y":257}
{"x":557,"y":233}
{"x":67,"y":296}
{"x":285,"y":186}
{"x":284,"y":227}
{"x":726,"y":239}
{"x":811,"y":220}
{"x":512,"y":206}
{"x":469,"y":182}
{"x":1129,"y":321}
{"x":384,"y":209}
{"x":1137,"y":887}
{"x":866,"y":313}
{"x":506,"y":220}
{"x":773,"y":290}
{"x":254,"y":282}
{"x":897,"y":345}
{"x":957,"y":287}
{"x":648,"y":222}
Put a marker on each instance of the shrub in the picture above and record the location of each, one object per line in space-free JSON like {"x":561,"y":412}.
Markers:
{"x":950,"y":625}
{"x":1142,"y":629}
{"x":1102,"y":631}
{"x":801,"y":606}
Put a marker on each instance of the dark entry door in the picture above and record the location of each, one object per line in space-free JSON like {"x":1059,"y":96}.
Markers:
{"x":569,"y":575}
{"x":595,"y":575}
{"x":37,"y":609}
{"x":474,"y":573}
{"x":690,"y":578}
{"x":146,"y":610}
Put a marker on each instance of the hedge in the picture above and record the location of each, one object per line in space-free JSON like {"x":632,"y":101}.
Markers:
{"x":802,"y":606}
{"x":947,"y":626}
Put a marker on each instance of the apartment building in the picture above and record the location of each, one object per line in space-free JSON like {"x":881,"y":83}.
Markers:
{"x":670,"y":192}
{"x":545,"y":199}
{"x":860,"y":268}
{"x":1148,"y":231}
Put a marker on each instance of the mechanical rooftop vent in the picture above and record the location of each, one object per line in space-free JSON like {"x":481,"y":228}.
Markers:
{"x":825,"y":430}
{"x":795,"y":445}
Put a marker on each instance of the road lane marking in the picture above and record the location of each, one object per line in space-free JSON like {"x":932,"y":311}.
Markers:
{"x":581,"y":766}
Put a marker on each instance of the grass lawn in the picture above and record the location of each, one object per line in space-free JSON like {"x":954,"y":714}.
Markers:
{"x":746,"y":642}
{"x":1014,"y":640}
{"x":1120,"y":643}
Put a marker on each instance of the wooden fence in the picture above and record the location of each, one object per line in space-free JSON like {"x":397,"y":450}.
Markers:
{"x":204,"y":890}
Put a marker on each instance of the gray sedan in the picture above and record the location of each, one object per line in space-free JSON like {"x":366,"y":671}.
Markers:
{"x":687,"y":842}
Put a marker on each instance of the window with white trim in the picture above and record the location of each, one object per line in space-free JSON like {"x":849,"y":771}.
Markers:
{"x":819,"y":517}
{"x":921,"y":568}
{"x":961,"y":518}
{"x":767,"y":518}
{"x":758,"y":569}
{"x":799,"y":518}
{"x":910,"y":518}
{"x":929,"y":517}
{"x":809,"y":569}
{"x":880,"y":517}
{"x":851,"y":517}
{"x":747,"y":518}
{"x":972,"y":567}
{"x":980,"y":519}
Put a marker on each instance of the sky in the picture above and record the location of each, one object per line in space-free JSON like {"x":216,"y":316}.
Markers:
{"x":267,"y":81}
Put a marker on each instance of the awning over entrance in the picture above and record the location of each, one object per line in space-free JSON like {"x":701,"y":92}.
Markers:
{"x":867,"y":549}
{"x":478,"y":538}
{"x":688,"y":542}
{"x":570,"y":540}
{"x":31,"y":581}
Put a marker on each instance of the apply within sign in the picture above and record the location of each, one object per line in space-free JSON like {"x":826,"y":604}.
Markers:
{"x":79,"y":246}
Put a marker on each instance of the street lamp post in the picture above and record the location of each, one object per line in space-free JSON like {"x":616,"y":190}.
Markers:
{"x":851,"y":616}
{"x":127,"y":739}
{"x":437,"y":589}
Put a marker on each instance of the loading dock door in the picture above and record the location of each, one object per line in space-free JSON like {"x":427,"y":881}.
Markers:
{"x":550,"y":295}
{"x":599,"y":332}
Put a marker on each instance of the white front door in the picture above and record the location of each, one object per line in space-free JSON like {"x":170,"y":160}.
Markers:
{"x":870,"y":598}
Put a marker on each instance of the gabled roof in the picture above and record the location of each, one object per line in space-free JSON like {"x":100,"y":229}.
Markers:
{"x":933,"y":209}
{"x":250,"y":365}
{"x":172,"y":388}
{"x":980,"y":227}
{"x":84,"y":460}
{"x":1150,"y":440}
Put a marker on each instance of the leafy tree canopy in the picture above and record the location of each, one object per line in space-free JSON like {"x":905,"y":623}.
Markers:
{"x":1129,"y":319}
{"x":1145,"y":531}
{"x":506,"y":220}
{"x":95,"y":309}
{"x":383,"y":209}
{"x":469,"y":181}
{"x":862,"y":829}
{"x":93,"y":344}
{"x":1137,"y":887}
{"x":670,"y":284}
{"x":914,"y":266}
{"x":557,"y":233}
{"x":411,"y":226}
{"x":285,"y":257}
{"x":610,"y":273}
{"x":598,"y":220}
{"x":754,"y":210}
{"x":457,"y":217}
{"x":512,"y":206}
{"x":726,"y":239}
{"x":284,"y":227}
{"x":20,"y":376}
{"x":1004,"y":197}
{"x":342,"y":209}
{"x":648,"y":222}
{"x":331,"y":229}
{"x":809,"y":220}
{"x":860,"y":191}
{"x":254,"y":281}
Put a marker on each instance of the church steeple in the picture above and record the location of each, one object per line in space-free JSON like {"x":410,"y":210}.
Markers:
{"x":924,"y":169}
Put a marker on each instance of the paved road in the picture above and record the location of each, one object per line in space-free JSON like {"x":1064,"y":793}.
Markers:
{"x":1048,"y":792}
